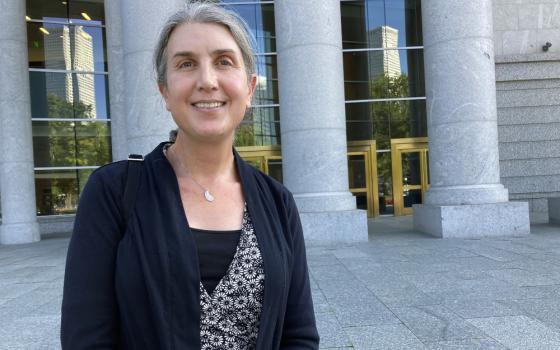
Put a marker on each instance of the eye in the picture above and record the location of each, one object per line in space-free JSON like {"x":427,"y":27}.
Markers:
{"x":225,"y":61}
{"x":185,"y":64}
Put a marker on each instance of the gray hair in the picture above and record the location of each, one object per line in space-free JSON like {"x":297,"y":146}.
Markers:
{"x":205,"y":12}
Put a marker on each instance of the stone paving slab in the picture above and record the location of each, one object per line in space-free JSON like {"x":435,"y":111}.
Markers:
{"x":401,"y":290}
{"x":519,"y":332}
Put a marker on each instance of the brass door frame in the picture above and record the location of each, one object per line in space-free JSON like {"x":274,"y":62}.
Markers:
{"x":365,"y":148}
{"x":398,"y":147}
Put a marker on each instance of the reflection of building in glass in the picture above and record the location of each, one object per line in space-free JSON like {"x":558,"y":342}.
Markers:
{"x":70,"y":48}
{"x":384,"y":61}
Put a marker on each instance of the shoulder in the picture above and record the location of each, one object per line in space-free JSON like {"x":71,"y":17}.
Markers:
{"x":269,"y":184}
{"x":110,"y":174}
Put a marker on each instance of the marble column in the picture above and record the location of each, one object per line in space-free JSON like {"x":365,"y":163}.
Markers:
{"x":466,"y":198}
{"x":113,"y":33}
{"x":312,"y":117}
{"x":17,"y":182}
{"x":147,"y":121}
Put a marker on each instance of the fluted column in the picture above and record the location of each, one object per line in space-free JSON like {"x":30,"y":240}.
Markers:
{"x":147,"y":121}
{"x":466,"y":197}
{"x":313,"y":123}
{"x":113,"y":33}
{"x":17,"y":182}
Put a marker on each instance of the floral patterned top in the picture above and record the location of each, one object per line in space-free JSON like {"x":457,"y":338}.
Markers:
{"x":230,"y":316}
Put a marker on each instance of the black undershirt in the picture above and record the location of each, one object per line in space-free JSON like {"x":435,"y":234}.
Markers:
{"x":216,"y":250}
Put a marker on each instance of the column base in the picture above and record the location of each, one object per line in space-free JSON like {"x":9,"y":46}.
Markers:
{"x":345,"y":226}
{"x":19,"y":233}
{"x":471,"y":221}
{"x":554,"y":210}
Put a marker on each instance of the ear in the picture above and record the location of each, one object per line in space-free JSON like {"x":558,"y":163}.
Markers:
{"x":165,"y":94}
{"x":252,"y":87}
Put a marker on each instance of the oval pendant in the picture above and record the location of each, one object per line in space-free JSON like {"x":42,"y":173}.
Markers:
{"x":209,"y":197}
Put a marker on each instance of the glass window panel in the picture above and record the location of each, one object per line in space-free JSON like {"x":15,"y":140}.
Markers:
{"x":408,"y":118}
{"x":404,"y":17}
{"x":66,"y":47}
{"x":362,"y":22}
{"x":260,"y":19}
{"x":53,"y":10}
{"x":87,"y":12}
{"x":71,"y":143}
{"x":361,"y":200}
{"x":411,"y":197}
{"x":385,"y":183}
{"x":369,"y":121}
{"x":381,"y":24}
{"x":260,"y":128}
{"x":69,"y":95}
{"x":357,"y":171}
{"x":411,"y":168}
{"x":383,"y":74}
{"x":57,"y":191}
{"x":267,"y":81}
{"x":275,"y":169}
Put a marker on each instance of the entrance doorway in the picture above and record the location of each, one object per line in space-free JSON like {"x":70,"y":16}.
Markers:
{"x":362,"y":169}
{"x":409,"y":158}
{"x":409,"y":172}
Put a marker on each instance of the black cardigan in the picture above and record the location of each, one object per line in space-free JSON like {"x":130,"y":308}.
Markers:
{"x":142,"y":291}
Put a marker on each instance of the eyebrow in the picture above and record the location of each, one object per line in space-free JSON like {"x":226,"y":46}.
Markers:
{"x":192,"y":54}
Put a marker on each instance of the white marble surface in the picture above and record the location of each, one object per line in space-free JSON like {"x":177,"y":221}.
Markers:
{"x":522,"y":27}
{"x":17,"y":186}
{"x":115,"y":57}
{"x":471,"y":221}
{"x":147,"y":121}
{"x":311,"y":91}
{"x":335,"y":227}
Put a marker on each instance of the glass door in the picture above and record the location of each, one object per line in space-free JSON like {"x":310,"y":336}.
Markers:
{"x":362,"y":169}
{"x":410,"y":173}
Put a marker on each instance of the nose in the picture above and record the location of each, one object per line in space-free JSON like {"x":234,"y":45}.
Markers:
{"x":207,"y":80}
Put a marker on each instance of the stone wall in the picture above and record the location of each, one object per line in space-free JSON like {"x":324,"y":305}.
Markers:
{"x":528,"y":100}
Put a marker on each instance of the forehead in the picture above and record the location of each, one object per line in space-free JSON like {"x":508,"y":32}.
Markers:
{"x":201,"y":37}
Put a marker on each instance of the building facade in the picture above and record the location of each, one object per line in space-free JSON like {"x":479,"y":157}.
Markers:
{"x":362,"y":108}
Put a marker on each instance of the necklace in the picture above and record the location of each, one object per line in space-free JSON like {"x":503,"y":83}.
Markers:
{"x":205,"y":192}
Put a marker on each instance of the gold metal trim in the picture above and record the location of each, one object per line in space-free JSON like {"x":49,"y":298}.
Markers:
{"x":366,"y":148}
{"x":398,"y":147}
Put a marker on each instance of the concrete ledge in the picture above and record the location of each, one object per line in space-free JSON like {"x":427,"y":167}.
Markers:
{"x":554,"y":210}
{"x":19,"y":233}
{"x":56,"y":224}
{"x":471,"y":221}
{"x":348,"y":226}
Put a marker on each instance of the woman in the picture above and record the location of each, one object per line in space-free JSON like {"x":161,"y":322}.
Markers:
{"x":212,"y":254}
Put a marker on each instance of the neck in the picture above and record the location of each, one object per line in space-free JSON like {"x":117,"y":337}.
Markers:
{"x":211,"y":161}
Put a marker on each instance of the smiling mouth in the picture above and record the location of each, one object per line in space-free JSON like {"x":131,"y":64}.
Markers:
{"x":208,"y":105}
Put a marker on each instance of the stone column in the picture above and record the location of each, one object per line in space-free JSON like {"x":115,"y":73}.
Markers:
{"x":113,"y":31}
{"x":465,"y":198}
{"x":147,"y":121}
{"x":17,"y":182}
{"x":313,"y":123}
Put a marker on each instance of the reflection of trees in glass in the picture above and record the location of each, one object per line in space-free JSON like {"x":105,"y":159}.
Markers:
{"x":73,"y":143}
{"x":391,"y":120}
{"x":245,"y":135}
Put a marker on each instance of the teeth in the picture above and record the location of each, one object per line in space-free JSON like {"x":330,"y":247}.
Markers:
{"x":208,"y":104}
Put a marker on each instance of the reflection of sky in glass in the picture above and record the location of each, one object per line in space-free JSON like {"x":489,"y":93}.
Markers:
{"x":390,"y":13}
{"x":98,"y":58}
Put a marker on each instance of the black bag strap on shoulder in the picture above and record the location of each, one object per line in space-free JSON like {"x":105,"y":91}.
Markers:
{"x":135,"y":165}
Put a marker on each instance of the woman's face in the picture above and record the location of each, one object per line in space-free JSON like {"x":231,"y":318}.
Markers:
{"x":207,"y":91}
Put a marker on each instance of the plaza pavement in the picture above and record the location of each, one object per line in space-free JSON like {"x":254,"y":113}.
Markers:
{"x":401,"y":290}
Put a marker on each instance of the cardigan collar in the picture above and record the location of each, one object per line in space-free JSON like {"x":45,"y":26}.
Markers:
{"x":248,"y":184}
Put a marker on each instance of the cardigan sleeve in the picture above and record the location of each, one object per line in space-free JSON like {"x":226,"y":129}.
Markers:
{"x":89,"y":307}
{"x":300,"y":331}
